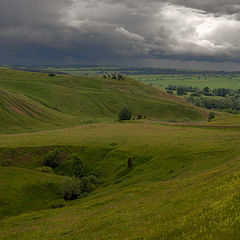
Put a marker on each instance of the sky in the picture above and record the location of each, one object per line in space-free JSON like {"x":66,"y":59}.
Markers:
{"x":201,"y":34}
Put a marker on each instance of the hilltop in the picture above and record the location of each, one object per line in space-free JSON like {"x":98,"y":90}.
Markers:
{"x":36,"y":101}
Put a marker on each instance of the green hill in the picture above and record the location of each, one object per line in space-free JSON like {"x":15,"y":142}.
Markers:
{"x":35,"y":101}
{"x":184,"y":183}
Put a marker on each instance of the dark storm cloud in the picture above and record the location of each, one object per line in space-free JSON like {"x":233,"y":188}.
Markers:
{"x":107,"y":31}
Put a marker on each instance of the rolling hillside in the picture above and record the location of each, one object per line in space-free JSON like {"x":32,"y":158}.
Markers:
{"x":181,"y":186}
{"x":35,"y":101}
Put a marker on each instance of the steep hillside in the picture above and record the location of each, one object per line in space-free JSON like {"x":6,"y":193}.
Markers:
{"x":36,"y":101}
{"x":18,"y":112}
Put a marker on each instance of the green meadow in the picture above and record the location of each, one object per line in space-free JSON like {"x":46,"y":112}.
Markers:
{"x":211,"y":80}
{"x":161,"y":78}
{"x":185,"y":178}
{"x":36,"y":101}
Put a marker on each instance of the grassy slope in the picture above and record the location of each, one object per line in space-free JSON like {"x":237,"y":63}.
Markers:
{"x":182,"y":186}
{"x":184,"y":183}
{"x":36,"y":101}
{"x":24,"y":190}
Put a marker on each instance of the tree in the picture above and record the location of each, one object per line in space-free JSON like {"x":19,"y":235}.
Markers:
{"x":211,"y":116}
{"x":206,"y":90}
{"x":124,"y":114}
{"x":180,"y":91}
{"x":52,"y":158}
{"x":77,"y":166}
{"x":71,"y":188}
{"x":130,"y":163}
{"x":87,"y":185}
{"x":51,"y":75}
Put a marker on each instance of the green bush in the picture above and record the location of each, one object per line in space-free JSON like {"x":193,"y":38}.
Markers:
{"x":52,"y":158}
{"x":124,"y":114}
{"x":45,"y":170}
{"x":77,"y":166}
{"x":71,"y":188}
{"x":57,"y":204}
{"x":87,"y":185}
{"x":211,"y":116}
{"x":51,"y":74}
{"x":93,"y":179}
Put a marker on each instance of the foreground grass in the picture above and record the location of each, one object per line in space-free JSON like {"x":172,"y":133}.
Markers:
{"x":23,"y":190}
{"x":184,"y":183}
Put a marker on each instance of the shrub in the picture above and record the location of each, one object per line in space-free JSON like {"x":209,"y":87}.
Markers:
{"x":93,"y":179}
{"x":87,"y":185}
{"x":211,"y":116}
{"x":71,"y":188}
{"x":51,"y":74}
{"x":139,"y":116}
{"x":77,"y":166}
{"x":57,"y":204}
{"x":52,"y":159}
{"x":124,"y":114}
{"x":130,"y":163}
{"x":45,"y":170}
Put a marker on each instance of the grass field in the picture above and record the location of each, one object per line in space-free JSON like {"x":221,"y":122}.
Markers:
{"x":157,"y":77}
{"x":182,"y":186}
{"x":23,"y":190}
{"x":228,"y":80}
{"x":184,"y":183}
{"x":36,"y":101}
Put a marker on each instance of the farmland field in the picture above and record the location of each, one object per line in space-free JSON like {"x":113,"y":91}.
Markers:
{"x":157,"y":77}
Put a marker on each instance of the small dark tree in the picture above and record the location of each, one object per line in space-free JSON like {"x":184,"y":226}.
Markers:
{"x":206,"y":89}
{"x":52,"y":158}
{"x":124,"y":114}
{"x":211,"y":116}
{"x":130,"y":163}
{"x":51,"y":74}
{"x":139,"y":116}
{"x":180,"y":91}
{"x":114,"y":76}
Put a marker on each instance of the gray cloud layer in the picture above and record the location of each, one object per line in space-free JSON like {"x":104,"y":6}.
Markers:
{"x":120,"y":31}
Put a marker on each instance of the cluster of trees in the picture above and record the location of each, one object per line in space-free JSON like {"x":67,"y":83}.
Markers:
{"x":183,"y":90}
{"x":78,"y":183}
{"x":74,"y":187}
{"x":213,"y":103}
{"x":114,"y":76}
{"x":125,"y":114}
{"x":218,"y":98}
